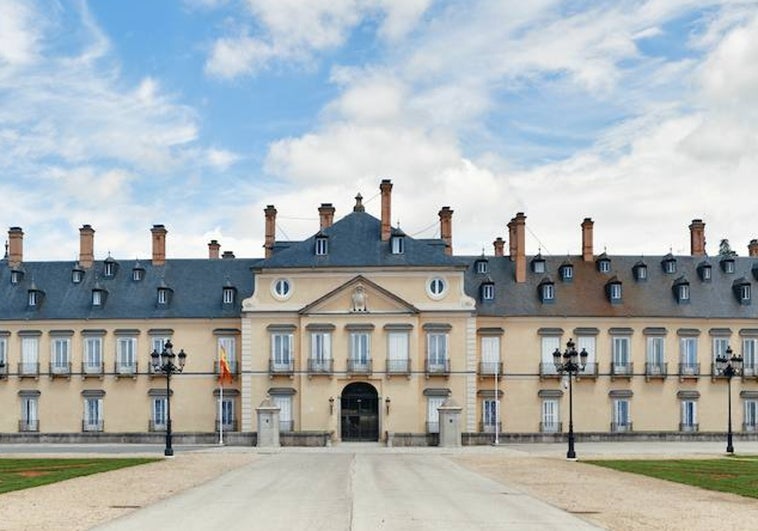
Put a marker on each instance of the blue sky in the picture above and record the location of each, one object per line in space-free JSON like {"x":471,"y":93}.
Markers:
{"x":198,"y":113}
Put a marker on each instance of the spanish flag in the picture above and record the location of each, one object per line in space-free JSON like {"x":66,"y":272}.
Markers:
{"x":224,"y":373}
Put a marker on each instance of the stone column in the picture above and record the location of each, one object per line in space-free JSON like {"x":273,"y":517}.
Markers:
{"x":450,"y":424}
{"x":268,"y":424}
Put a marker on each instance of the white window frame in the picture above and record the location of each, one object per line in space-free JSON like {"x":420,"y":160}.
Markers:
{"x":286,"y":420}
{"x":281,"y":288}
{"x":3,"y":354}
{"x":322,"y":246}
{"x":622,"y":417}
{"x":688,"y":352}
{"x":398,"y":244}
{"x":750,"y":412}
{"x":109,"y":269}
{"x":93,"y":354}
{"x":615,"y":291}
{"x":539,"y":266}
{"x":433,"y":403}
{"x":281,"y":350}
{"x":32,"y":299}
{"x":97,"y":297}
{"x":670,"y":266}
{"x":227,"y":413}
{"x":490,"y":414}
{"x":490,"y":354}
{"x":550,"y":414}
{"x":360,"y":348}
{"x":126,"y":353}
{"x":745,"y":293}
{"x":29,"y":355}
{"x":604,"y":266}
{"x":93,"y":414}
{"x":689,"y":415}
{"x":567,"y":272}
{"x":60,"y":354}
{"x":548,"y":292}
{"x":159,"y":412}
{"x":398,"y":351}
{"x":720,"y":344}
{"x":684,"y":292}
{"x":588,"y":343}
{"x":229,"y":344}
{"x":436,"y":287}
{"x":162,"y":296}
{"x":481,"y":267}
{"x":655,"y":354}
{"x":707,"y":273}
{"x":228,"y":296}
{"x":488,"y":292}
{"x":642,"y":273}
{"x":749,"y":355}
{"x":76,"y":276}
{"x":30,"y":413}
{"x":437,"y":350}
{"x":548,"y":344}
{"x":321,"y":349}
{"x":621,"y":350}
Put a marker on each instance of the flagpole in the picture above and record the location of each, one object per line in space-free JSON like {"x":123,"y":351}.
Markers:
{"x":221,"y":414}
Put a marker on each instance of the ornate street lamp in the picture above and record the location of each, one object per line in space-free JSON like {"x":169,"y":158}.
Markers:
{"x":163,"y":362}
{"x":570,"y":362}
{"x":729,"y":366}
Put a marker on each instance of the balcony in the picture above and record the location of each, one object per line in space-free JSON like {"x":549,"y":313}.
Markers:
{"x":656,"y":370}
{"x":154,"y":425}
{"x":489,"y":427}
{"x":621,"y":427}
{"x":749,"y":372}
{"x":715,"y":374}
{"x":93,"y":425}
{"x":128,"y":370}
{"x":3,"y":370}
{"x":548,"y":370}
{"x":689,"y":370}
{"x":688,"y":427}
{"x":490,"y":368}
{"x":232,"y":425}
{"x":285,"y":368}
{"x":622,"y":370}
{"x":233,"y":368}
{"x":402,"y":367}
{"x":433,"y":427}
{"x":359,"y":366}
{"x":28,"y":425}
{"x":320,"y":367}
{"x":590,"y":371}
{"x":551,"y":427}
{"x":28,"y":370}
{"x":93,"y":370}
{"x":437,"y":367}
{"x":58,"y":370}
{"x":286,"y":425}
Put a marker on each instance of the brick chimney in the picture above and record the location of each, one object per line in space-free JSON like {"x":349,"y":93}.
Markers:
{"x":697,"y":237}
{"x":519,"y":229}
{"x":159,"y":244}
{"x":588,"y":253}
{"x":512,"y":239}
{"x":15,"y":246}
{"x":228,"y":255}
{"x":752,"y":248}
{"x":86,"y":246}
{"x":386,"y":188}
{"x":213,"y":248}
{"x":326,"y":215}
{"x":499,"y":245}
{"x":268,"y":244}
{"x":446,"y":228}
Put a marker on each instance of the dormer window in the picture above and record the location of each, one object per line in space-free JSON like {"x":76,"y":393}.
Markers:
{"x":322,"y":245}
{"x":742,"y":290}
{"x":669,"y":264}
{"x":109,"y":268}
{"x":16,"y":276}
{"x":228,"y":295}
{"x":727,"y":265}
{"x":546,"y":291}
{"x":639,"y":270}
{"x":97,"y":298}
{"x":397,"y":244}
{"x":481,"y":266}
{"x":705,"y":271}
{"x":164,"y":295}
{"x":682,"y":290}
{"x":488,"y":290}
{"x":138,"y":272}
{"x":538,"y":264}
{"x":604,"y":263}
{"x":77,"y":275}
{"x":566,"y":271}
{"x":613,"y":290}
{"x":33,"y":298}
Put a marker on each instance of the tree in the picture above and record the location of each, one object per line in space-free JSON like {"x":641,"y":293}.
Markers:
{"x":725,"y":250}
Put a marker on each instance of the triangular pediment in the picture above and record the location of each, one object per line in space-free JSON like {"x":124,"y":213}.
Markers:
{"x":359,"y":296}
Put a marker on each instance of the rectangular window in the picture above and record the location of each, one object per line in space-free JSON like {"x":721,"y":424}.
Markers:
{"x":620,"y":348}
{"x":688,"y":355}
{"x":126,"y":355}
{"x":490,"y":415}
{"x":29,"y":355}
{"x":93,"y":355}
{"x":286,"y":422}
{"x":436,"y":351}
{"x":59,"y":358}
{"x":3,"y":355}
{"x":159,"y":410}
{"x":490,"y":346}
{"x":621,"y":417}
{"x":281,"y":351}
{"x":397,"y":352}
{"x":322,"y":246}
{"x":751,"y":415}
{"x":29,"y":419}
{"x":229,"y":345}
{"x":360,"y":345}
{"x":689,"y":415}
{"x":547,"y":347}
{"x":749,"y":352}
{"x":93,"y":414}
{"x":720,"y":344}
{"x":432,"y":414}
{"x":551,"y":419}
{"x":588,"y":343}
{"x":654,"y":353}
{"x":228,"y":296}
{"x":227,"y":414}
{"x":321,"y":349}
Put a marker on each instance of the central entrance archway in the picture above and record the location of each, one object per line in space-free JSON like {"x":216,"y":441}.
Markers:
{"x":359,"y":408}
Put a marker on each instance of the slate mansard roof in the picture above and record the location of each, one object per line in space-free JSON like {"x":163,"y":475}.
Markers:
{"x":585,"y":294}
{"x":195,"y":287}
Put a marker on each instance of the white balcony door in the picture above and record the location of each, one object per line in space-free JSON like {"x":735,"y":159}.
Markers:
{"x":285,"y":411}
{"x":281,"y":345}
{"x":29,"y":354}
{"x":490,"y":354}
{"x":433,"y":414}
{"x":550,"y":415}
{"x":397,"y":345}
{"x":93,"y":411}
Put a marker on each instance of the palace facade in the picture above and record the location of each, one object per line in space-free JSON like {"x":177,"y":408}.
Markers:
{"x":361,"y":332}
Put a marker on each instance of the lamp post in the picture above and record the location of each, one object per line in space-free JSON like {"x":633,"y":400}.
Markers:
{"x":570,"y":362}
{"x":163,"y":362}
{"x":729,"y":366}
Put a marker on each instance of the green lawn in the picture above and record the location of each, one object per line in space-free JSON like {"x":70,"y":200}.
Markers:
{"x":17,"y":474}
{"x":737,"y":475}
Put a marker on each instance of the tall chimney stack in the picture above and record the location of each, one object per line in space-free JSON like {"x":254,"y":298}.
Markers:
{"x":446,"y":228}
{"x":159,"y":244}
{"x":512,"y":239}
{"x":268,"y":244}
{"x":213,"y":248}
{"x":519,"y":228}
{"x":15,"y":246}
{"x":326,"y":215}
{"x":588,"y":252}
{"x":697,"y":237}
{"x":86,"y":246}
{"x":752,"y":248}
{"x":386,"y":188}
{"x":499,"y":245}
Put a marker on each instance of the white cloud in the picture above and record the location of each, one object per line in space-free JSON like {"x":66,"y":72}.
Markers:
{"x":221,"y":159}
{"x":19,"y":38}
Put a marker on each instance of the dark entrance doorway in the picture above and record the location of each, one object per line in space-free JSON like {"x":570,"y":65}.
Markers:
{"x":360,"y":413}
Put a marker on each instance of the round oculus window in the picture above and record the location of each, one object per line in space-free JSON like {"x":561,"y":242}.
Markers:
{"x":436,"y":287}
{"x":282,"y":288}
